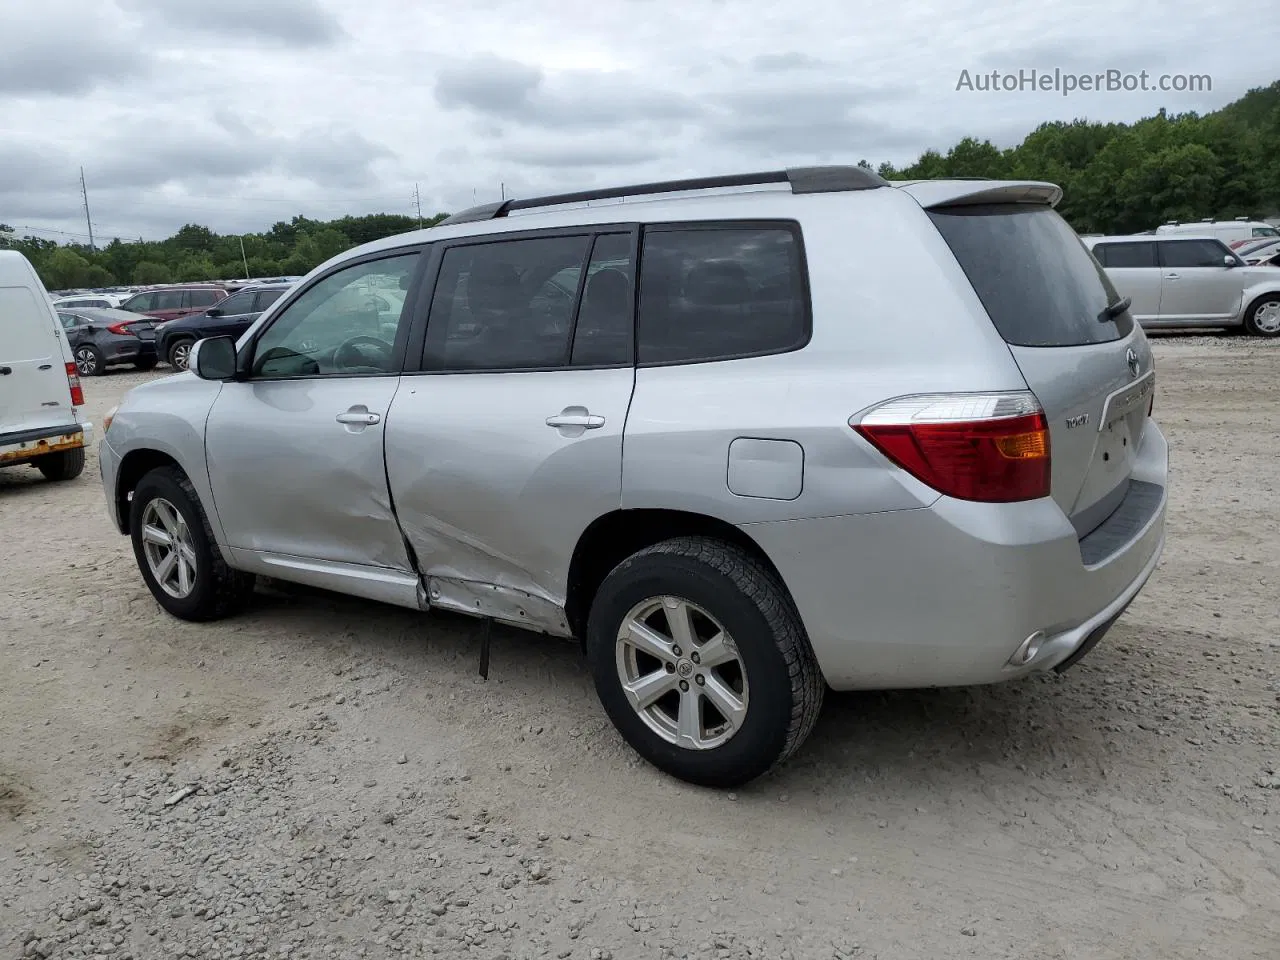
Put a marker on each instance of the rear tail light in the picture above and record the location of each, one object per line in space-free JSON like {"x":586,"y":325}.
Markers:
{"x":992,"y":447}
{"x":73,"y":381}
{"x":121,"y":329}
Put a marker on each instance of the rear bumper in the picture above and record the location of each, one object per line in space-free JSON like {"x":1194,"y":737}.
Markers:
{"x":26,"y":445}
{"x":131,"y":351}
{"x":945,"y":595}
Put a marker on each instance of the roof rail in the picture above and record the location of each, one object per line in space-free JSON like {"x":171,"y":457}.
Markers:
{"x":832,"y":179}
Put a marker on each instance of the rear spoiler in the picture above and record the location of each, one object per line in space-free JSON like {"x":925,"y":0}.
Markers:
{"x":960,"y":192}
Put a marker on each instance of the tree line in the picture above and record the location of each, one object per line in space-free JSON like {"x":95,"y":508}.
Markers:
{"x":1116,"y":178}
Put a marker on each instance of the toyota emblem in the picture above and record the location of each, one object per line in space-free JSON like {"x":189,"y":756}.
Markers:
{"x":1131,"y":358}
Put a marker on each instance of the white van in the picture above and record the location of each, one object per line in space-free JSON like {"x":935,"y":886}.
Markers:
{"x":39,"y":386}
{"x":1228,"y":231}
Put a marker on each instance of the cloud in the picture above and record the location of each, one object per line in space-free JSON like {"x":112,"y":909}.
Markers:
{"x":238,"y":113}
{"x":295,"y":23}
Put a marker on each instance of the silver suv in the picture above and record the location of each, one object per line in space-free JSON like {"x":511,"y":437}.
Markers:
{"x":744,"y":437}
{"x":1189,"y":281}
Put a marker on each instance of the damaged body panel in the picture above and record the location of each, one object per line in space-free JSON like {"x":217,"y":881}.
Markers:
{"x":15,"y":450}
{"x":491,"y":496}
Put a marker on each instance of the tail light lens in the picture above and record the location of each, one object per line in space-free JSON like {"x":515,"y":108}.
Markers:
{"x":121,"y":329}
{"x":73,"y":381}
{"x":991,"y":447}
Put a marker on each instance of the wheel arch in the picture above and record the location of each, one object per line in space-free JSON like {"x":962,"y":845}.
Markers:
{"x":613,"y":537}
{"x":135,"y":465}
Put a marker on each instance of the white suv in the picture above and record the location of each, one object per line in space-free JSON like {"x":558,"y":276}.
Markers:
{"x":704,"y":427}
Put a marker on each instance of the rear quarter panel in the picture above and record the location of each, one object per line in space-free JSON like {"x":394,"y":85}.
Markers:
{"x":893,"y":314}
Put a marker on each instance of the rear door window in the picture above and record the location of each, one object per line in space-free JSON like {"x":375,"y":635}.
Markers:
{"x":1192,"y":253}
{"x":140,"y":303}
{"x":1038,"y":284}
{"x":1126,"y":255}
{"x":266,"y":298}
{"x":168,"y":300}
{"x":202,"y":298}
{"x":237,"y":304}
{"x":721,"y":291}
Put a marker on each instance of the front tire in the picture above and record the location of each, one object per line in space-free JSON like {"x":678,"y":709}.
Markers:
{"x":702,"y":663}
{"x":174,"y":546}
{"x":1262,"y":319}
{"x":63,"y":465}
{"x":179,"y":354}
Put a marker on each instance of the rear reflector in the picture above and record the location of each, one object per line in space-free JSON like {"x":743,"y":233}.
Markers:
{"x":73,"y":381}
{"x":121,"y":329}
{"x":992,"y":447}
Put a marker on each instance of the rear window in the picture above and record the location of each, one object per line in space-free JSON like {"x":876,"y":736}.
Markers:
{"x":716,"y":292}
{"x":1039,"y":285}
{"x":1126,"y":255}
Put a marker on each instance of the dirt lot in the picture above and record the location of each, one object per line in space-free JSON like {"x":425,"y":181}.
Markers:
{"x":359,"y":792}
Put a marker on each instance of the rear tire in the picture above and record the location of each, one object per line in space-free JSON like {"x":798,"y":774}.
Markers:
{"x":89,"y":361}
{"x":1262,"y":319}
{"x":198,"y":585}
{"x":178,"y":354}
{"x":63,"y":465}
{"x":774,"y":678}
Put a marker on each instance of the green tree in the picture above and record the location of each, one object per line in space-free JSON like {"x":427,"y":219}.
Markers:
{"x":150,"y":272}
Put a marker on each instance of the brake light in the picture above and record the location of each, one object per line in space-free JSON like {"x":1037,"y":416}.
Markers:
{"x":73,"y":381}
{"x":121,"y":329}
{"x":991,"y":447}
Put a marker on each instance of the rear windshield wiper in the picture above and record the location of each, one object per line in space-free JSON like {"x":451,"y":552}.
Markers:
{"x":1114,"y":310}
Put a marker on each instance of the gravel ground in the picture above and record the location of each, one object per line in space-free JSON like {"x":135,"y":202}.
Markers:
{"x":325,"y":777}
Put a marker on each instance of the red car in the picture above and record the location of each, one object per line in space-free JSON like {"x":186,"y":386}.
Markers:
{"x":170,"y":303}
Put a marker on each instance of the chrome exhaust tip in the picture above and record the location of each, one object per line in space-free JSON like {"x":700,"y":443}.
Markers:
{"x":1027,"y":650}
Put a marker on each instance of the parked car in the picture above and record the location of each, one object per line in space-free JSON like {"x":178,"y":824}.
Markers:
{"x":810,"y":493}
{"x":40,"y":392}
{"x":1258,"y":250}
{"x":229,"y":317}
{"x":170,"y":303}
{"x":99,"y":301}
{"x":1224,"y":230}
{"x":104,"y":338}
{"x":1188,"y":281}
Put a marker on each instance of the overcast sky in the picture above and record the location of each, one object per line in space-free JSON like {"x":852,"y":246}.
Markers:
{"x":238,"y":113}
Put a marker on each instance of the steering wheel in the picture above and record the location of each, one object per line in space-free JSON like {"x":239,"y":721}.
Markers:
{"x":347,"y":356}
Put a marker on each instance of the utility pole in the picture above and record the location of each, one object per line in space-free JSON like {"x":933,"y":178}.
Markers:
{"x":244,"y":258}
{"x":503,"y":187}
{"x":84,"y":192}
{"x":417,"y":202}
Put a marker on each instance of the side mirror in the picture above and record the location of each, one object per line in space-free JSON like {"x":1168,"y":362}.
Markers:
{"x":1229,"y":261}
{"x":213,"y":312}
{"x":213,"y":359}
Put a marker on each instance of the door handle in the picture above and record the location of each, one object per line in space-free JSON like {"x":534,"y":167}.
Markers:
{"x":362,"y":418}
{"x":586,"y":420}
{"x":1173,"y":276}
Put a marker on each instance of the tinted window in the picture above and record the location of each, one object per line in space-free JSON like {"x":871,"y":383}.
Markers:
{"x":721,"y":292}
{"x":266,"y":298}
{"x":606,"y":315}
{"x":168,"y":300}
{"x":237,"y":304}
{"x":69,"y":320}
{"x":1192,"y":253}
{"x":1266,"y":232}
{"x":338,"y":327}
{"x":1126,"y":254}
{"x":505,"y":305}
{"x":202,"y":298}
{"x":140,"y":303}
{"x":1033,"y":275}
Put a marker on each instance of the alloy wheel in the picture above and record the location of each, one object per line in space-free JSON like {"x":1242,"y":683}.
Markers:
{"x":170,"y":552}
{"x":86,"y":362}
{"x":1267,"y":317}
{"x":681,"y":672}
